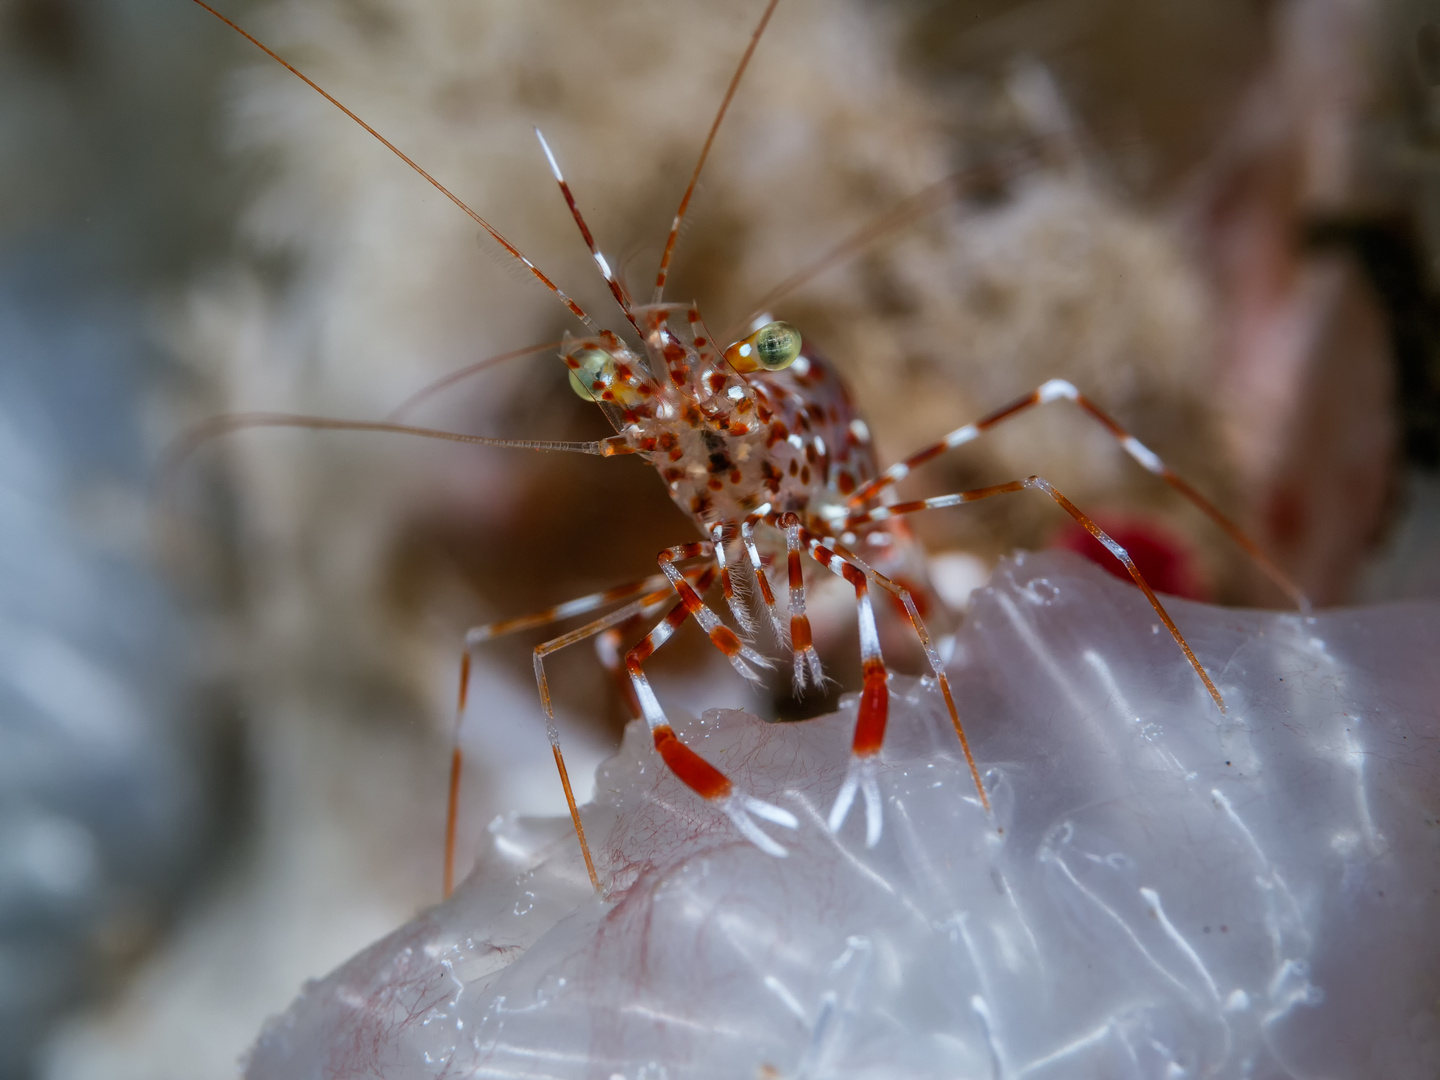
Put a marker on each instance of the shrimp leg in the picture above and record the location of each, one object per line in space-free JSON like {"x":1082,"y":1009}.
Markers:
{"x":656,"y":588}
{"x":689,"y":767}
{"x":1060,"y":390}
{"x":1039,"y":483}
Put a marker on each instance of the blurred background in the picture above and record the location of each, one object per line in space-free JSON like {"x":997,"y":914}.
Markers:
{"x":228,"y":689}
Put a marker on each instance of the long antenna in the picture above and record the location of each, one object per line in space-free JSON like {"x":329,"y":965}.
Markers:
{"x":911,"y":209}
{"x":187,"y":443}
{"x":575,"y":308}
{"x":182,"y":446}
{"x":617,"y":288}
{"x":704,"y":151}
{"x":397,"y":414}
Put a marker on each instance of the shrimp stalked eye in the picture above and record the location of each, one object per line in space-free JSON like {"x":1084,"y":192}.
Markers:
{"x":587,"y":368}
{"x":773,"y":347}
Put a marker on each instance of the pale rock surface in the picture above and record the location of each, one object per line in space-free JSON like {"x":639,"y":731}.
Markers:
{"x":1163,"y":892}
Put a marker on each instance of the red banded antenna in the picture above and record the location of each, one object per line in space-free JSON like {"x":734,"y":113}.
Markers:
{"x":575,"y":308}
{"x":617,"y":287}
{"x":704,"y":151}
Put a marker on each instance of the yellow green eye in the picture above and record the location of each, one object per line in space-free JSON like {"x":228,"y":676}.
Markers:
{"x":777,"y":344}
{"x":593,"y":365}
{"x":773,"y":347}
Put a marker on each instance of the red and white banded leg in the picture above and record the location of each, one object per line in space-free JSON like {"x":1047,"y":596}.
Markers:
{"x":741,"y":656}
{"x":932,"y":654}
{"x":608,"y":641}
{"x":802,"y":647}
{"x":1039,"y":483}
{"x":1060,"y":390}
{"x":656,"y":590}
{"x":734,"y":599}
{"x":767,"y":594}
{"x":689,"y":767}
{"x":612,"y":621}
{"x":579,"y":606}
{"x":874,"y":708}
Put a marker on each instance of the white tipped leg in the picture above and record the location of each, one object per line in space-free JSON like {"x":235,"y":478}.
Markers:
{"x":739,"y":807}
{"x":808,"y":670}
{"x":860,"y":778}
{"x":759,"y":659}
{"x":739,"y":663}
{"x":817,"y":672}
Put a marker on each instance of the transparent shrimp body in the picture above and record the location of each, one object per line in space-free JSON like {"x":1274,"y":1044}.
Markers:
{"x":727,"y":442}
{"x":763,"y":434}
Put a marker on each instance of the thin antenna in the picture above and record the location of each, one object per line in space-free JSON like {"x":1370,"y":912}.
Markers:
{"x":704,"y":152}
{"x":178,"y":452}
{"x":187,"y":443}
{"x":427,"y":391}
{"x":575,"y":308}
{"x":617,"y":290}
{"x":909,"y":210}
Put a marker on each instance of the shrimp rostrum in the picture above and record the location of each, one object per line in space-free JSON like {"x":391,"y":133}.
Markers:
{"x":759,"y":443}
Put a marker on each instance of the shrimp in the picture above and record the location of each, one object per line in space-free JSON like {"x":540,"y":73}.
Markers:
{"x":761,"y":445}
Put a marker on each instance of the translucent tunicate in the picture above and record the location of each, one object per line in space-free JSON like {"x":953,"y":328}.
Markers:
{"x":1159,"y":893}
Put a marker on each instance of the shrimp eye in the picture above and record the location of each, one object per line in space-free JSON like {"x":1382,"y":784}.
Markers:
{"x":773,"y":347}
{"x":777,"y":344}
{"x":591,"y":366}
